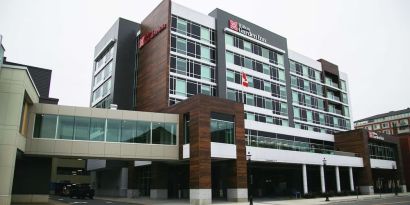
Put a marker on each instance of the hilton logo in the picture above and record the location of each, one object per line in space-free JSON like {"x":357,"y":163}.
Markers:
{"x":234,"y":25}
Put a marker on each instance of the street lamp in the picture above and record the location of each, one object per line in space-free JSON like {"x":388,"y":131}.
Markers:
{"x":324,"y":177}
{"x":248,"y":157}
{"x":395,"y":179}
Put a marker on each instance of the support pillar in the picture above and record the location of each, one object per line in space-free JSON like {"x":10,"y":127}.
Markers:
{"x":159,"y":181}
{"x":351,"y":179}
{"x":322,"y":179}
{"x":337,"y":179}
{"x":7,"y":165}
{"x":304,"y":175}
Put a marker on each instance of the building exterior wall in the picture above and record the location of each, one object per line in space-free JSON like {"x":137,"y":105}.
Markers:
{"x":153,"y":70}
{"x":15,"y":86}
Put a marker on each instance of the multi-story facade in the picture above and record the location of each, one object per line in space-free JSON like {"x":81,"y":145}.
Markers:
{"x":394,"y":122}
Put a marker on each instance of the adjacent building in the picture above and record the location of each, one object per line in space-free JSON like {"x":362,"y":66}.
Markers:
{"x":393,"y":122}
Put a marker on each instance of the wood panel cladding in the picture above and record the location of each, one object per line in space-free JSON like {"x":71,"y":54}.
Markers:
{"x":329,"y":67}
{"x":200,"y":108}
{"x":356,"y":141}
{"x":153,"y":71}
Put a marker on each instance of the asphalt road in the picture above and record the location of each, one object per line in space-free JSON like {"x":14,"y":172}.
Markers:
{"x":399,"y":200}
{"x":68,"y":200}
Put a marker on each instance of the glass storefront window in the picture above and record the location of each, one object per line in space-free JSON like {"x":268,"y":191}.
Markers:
{"x":82,"y":128}
{"x":45,"y":126}
{"x":65,"y":128}
{"x":113,"y":130}
{"x":97,"y":129}
{"x":222,"y":131}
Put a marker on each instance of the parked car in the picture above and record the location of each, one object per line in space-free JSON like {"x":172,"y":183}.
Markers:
{"x":81,"y":191}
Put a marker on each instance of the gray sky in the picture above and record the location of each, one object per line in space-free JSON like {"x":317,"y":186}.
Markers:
{"x":368,"y":39}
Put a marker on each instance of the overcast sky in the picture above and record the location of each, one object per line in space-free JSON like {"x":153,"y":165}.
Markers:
{"x":369,"y":40}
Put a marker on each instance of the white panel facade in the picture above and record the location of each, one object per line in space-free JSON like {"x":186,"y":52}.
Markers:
{"x":382,"y":164}
{"x":304,"y":60}
{"x":192,"y":15}
{"x":222,"y":150}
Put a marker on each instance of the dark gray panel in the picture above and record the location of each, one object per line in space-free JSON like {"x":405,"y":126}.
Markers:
{"x":222,"y":19}
{"x":32,"y":175}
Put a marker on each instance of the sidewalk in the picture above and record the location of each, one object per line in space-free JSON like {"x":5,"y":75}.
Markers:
{"x":315,"y":201}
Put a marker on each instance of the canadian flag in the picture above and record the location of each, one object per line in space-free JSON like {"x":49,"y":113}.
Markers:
{"x":244,"y":79}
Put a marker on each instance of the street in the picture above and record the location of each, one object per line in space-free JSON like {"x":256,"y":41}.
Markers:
{"x":377,"y":201}
{"x":68,"y":200}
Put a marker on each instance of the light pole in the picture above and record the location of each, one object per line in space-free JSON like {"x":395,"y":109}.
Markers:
{"x":395,"y":179}
{"x":248,"y":157}
{"x":324,"y":177}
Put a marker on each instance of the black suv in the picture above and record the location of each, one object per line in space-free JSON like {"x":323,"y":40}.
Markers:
{"x":81,"y":191}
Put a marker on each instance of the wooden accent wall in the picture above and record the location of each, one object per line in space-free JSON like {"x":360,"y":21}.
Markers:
{"x":405,"y":151}
{"x":153,"y":70}
{"x":200,"y":108}
{"x":356,"y":141}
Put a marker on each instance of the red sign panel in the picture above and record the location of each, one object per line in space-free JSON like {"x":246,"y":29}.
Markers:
{"x":244,"y":80}
{"x":144,"y":39}
{"x":233,"y":25}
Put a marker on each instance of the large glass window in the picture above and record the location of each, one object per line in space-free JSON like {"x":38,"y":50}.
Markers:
{"x":163,"y":133}
{"x":113,"y":130}
{"x":143,"y":132}
{"x":205,"y":34}
{"x":97,"y":129}
{"x":206,"y":89}
{"x":222,"y":131}
{"x":128,"y":131}
{"x":181,"y":66}
{"x":248,"y":63}
{"x":250,"y":99}
{"x":181,"y":26}
{"x":230,"y":76}
{"x":180,"y":87}
{"x":65,"y":127}
{"x":247,"y":46}
{"x":45,"y":126}
{"x":228,"y":40}
{"x":181,"y":46}
{"x":229,"y":57}
{"x":205,"y":72}
{"x":205,"y":53}
{"x":82,"y":128}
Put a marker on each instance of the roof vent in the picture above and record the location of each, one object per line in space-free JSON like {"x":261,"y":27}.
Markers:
{"x":113,"y":106}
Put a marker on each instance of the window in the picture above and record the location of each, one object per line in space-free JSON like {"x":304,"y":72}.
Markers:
{"x":376,"y":126}
{"x":206,"y":89}
{"x":280,"y":59}
{"x":247,"y":46}
{"x":229,"y":40}
{"x":309,"y":116}
{"x":65,"y":128}
{"x":250,"y":81}
{"x":45,"y":126}
{"x":385,"y":125}
{"x":250,"y":99}
{"x":180,"y":87}
{"x":265,"y":53}
{"x":295,"y":97}
{"x":128,"y":131}
{"x":205,"y":72}
{"x":229,"y":57}
{"x":222,"y":131}
{"x":181,"y":26}
{"x":266,"y":69}
{"x":205,"y":53}
{"x":97,"y":129}
{"x":205,"y":34}
{"x":268,"y":86}
{"x":268,"y":104}
{"x":143,"y":132}
{"x":284,"y":108}
{"x":231,"y":95}
{"x":247,"y":63}
{"x":230,"y":76}
{"x":181,"y":46}
{"x":282,"y":76}
{"x":181,"y":66}
{"x":82,"y":128}
{"x":113,"y":130}
{"x":250,"y":116}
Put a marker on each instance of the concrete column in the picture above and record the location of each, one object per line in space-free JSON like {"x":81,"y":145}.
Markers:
{"x":337,"y":179}
{"x":7,"y":164}
{"x":304,"y":174}
{"x":322,"y":179}
{"x":351,"y":179}
{"x":123,"y":181}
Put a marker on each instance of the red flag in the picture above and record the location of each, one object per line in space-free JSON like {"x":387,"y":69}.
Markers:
{"x":244,"y":79}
